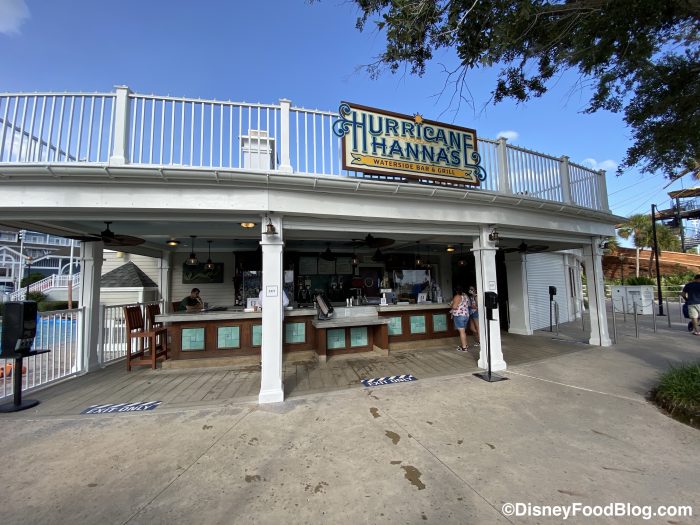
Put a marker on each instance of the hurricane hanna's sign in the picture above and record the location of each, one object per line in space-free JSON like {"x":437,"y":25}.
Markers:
{"x":385,"y":143}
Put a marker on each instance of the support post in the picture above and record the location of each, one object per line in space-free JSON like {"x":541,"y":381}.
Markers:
{"x":565,"y":177}
{"x":656,"y":256}
{"x":119,"y":155}
{"x":596,"y":293}
{"x":603,"y":191}
{"x":271,"y":385}
{"x":91,"y":268}
{"x":485,"y":262}
{"x":285,"y":159}
{"x":503,"y":175}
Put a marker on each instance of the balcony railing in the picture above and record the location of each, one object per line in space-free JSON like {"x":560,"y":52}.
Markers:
{"x":121,"y":128}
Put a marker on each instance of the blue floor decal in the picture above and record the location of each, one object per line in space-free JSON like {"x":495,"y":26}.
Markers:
{"x":378,"y":381}
{"x":121,"y":407}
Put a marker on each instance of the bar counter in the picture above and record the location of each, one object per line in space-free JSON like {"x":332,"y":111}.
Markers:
{"x":360,"y":328}
{"x":232,"y":332}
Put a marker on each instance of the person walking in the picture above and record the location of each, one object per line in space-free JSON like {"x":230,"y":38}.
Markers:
{"x":460,"y":316}
{"x":691,"y":294}
{"x":473,"y":309}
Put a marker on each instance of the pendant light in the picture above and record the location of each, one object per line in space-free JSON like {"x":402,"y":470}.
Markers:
{"x":419,"y":261}
{"x":355,"y":259}
{"x":461,"y":261}
{"x":192,"y":259}
{"x":209,"y":265}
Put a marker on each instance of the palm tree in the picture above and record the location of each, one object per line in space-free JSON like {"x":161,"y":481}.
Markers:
{"x":638,"y":227}
{"x":666,"y":239}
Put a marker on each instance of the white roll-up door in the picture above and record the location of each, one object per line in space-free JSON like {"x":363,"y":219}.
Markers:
{"x":545,"y":270}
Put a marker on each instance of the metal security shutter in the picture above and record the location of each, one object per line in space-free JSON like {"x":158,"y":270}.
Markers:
{"x":545,"y":270}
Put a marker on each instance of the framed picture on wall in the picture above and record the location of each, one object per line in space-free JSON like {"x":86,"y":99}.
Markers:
{"x":199,"y":275}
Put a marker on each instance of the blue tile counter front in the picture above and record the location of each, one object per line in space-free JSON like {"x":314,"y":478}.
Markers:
{"x":358,"y":336}
{"x":439,"y":322}
{"x":228,"y":337}
{"x":294,"y":333}
{"x":335,"y":338}
{"x":417,"y":324}
{"x":192,"y":339}
{"x":395,"y":327}
{"x":256,"y":337}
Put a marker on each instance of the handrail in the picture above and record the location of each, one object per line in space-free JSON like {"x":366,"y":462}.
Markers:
{"x":120,"y":128}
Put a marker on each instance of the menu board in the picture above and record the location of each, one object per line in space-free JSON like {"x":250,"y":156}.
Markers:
{"x":343,"y":265}
{"x":326,"y":267}
{"x":307,"y":266}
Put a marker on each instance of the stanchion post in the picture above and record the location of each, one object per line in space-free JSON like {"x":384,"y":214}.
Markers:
{"x":668,"y":311}
{"x":556,"y":316}
{"x":636,"y":320}
{"x":624,"y":310}
{"x":653,"y":315}
{"x":614,"y":324}
{"x":583,"y":320}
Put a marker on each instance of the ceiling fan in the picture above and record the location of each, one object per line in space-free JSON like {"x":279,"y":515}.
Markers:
{"x":110,"y":238}
{"x":328,"y":254}
{"x":523,"y":247}
{"x":373,"y":242}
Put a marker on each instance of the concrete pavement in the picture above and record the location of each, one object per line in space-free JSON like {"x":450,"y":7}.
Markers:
{"x":569,"y":429}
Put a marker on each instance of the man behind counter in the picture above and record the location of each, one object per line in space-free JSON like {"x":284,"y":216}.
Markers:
{"x":193,"y":302}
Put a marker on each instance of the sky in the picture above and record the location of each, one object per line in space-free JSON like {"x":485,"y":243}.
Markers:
{"x":310,"y":53}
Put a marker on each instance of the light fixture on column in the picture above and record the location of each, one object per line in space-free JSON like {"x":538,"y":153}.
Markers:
{"x":493,"y":236}
{"x":461,"y":261}
{"x":270,"y":228}
{"x":209,"y":265}
{"x":192,"y":259}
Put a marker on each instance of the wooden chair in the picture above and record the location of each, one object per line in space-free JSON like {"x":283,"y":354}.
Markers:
{"x":176,"y":306}
{"x":152,"y":343}
{"x":151,"y":311}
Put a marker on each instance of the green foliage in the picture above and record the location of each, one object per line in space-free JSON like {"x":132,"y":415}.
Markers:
{"x":679,"y":392}
{"x":678,"y":279}
{"x":47,"y":306}
{"x":36,"y":296}
{"x":31,"y":279}
{"x":639,"y":281}
{"x":642,"y":57}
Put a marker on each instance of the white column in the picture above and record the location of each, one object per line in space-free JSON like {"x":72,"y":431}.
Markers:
{"x":91,"y":270}
{"x":485,"y":262}
{"x":503,"y":175}
{"x":164,"y":285}
{"x":271,"y":385}
{"x":603,"y":191}
{"x":121,"y":127}
{"x":596,"y":293}
{"x":565,"y":179}
{"x":285,"y":160}
{"x":518,"y":299}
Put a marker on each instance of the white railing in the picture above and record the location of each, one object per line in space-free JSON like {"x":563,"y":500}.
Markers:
{"x":47,"y":127}
{"x":112,"y":345}
{"x":59,"y":332}
{"x":48,"y":283}
{"x":126,"y":128}
{"x":204,"y":133}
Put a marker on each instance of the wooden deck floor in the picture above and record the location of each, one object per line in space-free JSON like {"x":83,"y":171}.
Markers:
{"x":182,"y":388}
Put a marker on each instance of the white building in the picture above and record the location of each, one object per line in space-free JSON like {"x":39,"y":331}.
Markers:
{"x":191,"y":171}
